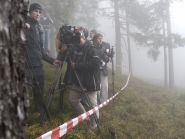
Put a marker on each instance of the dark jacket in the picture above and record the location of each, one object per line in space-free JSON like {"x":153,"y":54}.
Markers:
{"x":87,"y":64}
{"x":102,"y":53}
{"x":34,"y":46}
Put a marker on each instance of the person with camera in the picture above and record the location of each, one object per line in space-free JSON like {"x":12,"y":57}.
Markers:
{"x":35,"y":54}
{"x":45,"y":21}
{"x":85,"y":62}
{"x":103,"y":49}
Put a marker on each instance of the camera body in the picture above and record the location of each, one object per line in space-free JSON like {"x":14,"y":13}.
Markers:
{"x":67,"y":36}
{"x":108,"y":52}
{"x":70,"y":35}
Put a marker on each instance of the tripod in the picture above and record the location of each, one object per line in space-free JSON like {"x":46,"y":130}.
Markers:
{"x":56,"y":82}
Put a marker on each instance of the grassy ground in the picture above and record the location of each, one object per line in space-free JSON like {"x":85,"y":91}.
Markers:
{"x":141,"y":111}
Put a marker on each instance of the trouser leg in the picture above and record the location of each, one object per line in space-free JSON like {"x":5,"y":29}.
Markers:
{"x":37,"y":91}
{"x":43,"y":39}
{"x":93,"y":98}
{"x":46,"y":40}
{"x":99,"y":97}
{"x":38,"y":95}
{"x":104,"y":87}
{"x":74,"y":99}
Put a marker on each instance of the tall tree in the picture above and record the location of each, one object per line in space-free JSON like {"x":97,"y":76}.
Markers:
{"x":165,"y":53}
{"x":128,"y":36}
{"x":118,"y":36}
{"x":13,"y":94}
{"x":154,"y":37}
{"x":170,"y":49}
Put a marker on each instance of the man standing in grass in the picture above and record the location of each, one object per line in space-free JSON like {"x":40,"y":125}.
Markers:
{"x":85,"y":62}
{"x":35,"y":55}
{"x":103,"y":49}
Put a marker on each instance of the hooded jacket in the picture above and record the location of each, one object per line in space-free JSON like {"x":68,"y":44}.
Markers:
{"x":87,"y":64}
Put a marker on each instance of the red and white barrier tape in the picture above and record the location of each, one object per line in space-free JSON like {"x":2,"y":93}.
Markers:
{"x":59,"y":131}
{"x":122,"y":66}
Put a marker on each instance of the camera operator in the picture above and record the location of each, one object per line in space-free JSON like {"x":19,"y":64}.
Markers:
{"x":103,"y":49}
{"x":35,"y":54}
{"x":86,"y":62}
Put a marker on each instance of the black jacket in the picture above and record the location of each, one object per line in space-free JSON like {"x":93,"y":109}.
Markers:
{"x":102,"y":52}
{"x":87,"y":64}
{"x":34,"y":48}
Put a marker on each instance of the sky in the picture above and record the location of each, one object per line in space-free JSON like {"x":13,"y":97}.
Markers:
{"x":178,"y":26}
{"x":144,"y":67}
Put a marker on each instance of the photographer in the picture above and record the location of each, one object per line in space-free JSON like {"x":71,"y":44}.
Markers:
{"x":35,"y":54}
{"x":103,"y":49}
{"x":85,"y":61}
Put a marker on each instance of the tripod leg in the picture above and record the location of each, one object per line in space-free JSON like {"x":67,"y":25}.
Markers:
{"x":47,"y":104}
{"x":52,"y":91}
{"x":62,"y":92}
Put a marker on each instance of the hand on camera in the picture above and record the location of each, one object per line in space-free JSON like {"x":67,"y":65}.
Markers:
{"x":106,"y":57}
{"x":57,"y":63}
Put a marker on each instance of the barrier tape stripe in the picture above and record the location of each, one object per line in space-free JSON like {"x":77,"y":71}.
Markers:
{"x":126,"y":83}
{"x":122,"y":66}
{"x":59,"y":131}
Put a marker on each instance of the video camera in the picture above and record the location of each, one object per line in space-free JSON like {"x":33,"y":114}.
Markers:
{"x":67,"y":36}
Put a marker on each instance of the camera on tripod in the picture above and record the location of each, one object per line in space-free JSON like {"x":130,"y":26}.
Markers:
{"x":67,"y":36}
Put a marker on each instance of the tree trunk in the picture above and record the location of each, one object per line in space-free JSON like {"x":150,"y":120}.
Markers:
{"x":118,"y":37}
{"x":165,"y":54}
{"x":13,"y":94}
{"x":170,"y":49}
{"x":128,"y":38}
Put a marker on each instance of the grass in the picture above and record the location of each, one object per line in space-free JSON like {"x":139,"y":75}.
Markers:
{"x":141,"y":111}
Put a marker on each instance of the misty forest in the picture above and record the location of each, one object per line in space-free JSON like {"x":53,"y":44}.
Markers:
{"x":146,"y":71}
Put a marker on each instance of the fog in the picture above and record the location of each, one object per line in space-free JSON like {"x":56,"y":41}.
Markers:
{"x":142,"y":66}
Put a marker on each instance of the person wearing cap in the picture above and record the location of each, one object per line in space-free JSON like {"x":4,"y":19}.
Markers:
{"x":103,"y":49}
{"x":35,"y":54}
{"x":85,"y":62}
{"x":45,"y":21}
